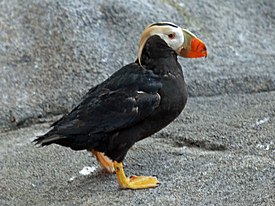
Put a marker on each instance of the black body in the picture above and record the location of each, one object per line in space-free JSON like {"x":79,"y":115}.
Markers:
{"x":134,"y":103}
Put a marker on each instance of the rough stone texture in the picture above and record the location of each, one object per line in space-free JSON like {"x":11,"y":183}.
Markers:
{"x":219,"y":152}
{"x":52,"y":52}
{"x":215,"y":153}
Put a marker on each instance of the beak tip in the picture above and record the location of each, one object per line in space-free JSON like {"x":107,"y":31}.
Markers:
{"x":197,"y":49}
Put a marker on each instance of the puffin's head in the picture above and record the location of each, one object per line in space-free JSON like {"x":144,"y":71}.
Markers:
{"x":182,"y":41}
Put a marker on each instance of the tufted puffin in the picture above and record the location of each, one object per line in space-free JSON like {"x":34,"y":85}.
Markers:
{"x":135,"y":102}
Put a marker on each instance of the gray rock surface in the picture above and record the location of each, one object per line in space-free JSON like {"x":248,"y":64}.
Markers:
{"x":220,"y":151}
{"x":52,"y":52}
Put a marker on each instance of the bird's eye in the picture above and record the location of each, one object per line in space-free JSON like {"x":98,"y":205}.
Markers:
{"x":171,"y":36}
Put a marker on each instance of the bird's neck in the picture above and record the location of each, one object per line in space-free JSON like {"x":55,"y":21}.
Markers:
{"x":159,"y":57}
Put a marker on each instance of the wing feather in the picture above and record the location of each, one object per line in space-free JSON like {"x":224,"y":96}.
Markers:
{"x":126,"y":98}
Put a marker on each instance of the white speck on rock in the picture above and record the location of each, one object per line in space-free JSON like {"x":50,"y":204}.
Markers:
{"x":262,"y":121}
{"x":265,"y":146}
{"x":87,"y":170}
{"x":72,"y":178}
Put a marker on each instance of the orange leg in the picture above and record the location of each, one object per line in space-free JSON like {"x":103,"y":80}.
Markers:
{"x":104,"y":161}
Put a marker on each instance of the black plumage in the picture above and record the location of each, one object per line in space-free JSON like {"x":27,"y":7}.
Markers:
{"x":134,"y":103}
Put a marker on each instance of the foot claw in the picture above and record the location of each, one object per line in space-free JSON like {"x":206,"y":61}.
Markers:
{"x":142,"y":182}
{"x":134,"y":182}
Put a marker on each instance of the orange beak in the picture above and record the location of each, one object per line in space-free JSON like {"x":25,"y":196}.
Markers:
{"x":192,"y":47}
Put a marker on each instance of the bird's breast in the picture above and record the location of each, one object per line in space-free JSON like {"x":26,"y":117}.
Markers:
{"x":173,"y":94}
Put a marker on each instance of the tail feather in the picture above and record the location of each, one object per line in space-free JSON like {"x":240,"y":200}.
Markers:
{"x":75,"y":141}
{"x":52,"y":138}
{"x":46,"y":140}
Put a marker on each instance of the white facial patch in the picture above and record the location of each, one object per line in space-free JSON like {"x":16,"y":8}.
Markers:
{"x":169,"y":32}
{"x":177,"y":39}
